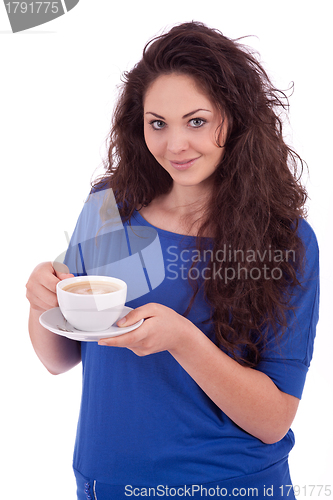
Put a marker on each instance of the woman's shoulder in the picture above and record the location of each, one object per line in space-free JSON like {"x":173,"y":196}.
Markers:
{"x":310,"y":272}
{"x":100,"y":185}
{"x":307,"y":234}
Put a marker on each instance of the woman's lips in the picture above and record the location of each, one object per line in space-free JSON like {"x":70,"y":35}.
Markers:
{"x":183,"y":165}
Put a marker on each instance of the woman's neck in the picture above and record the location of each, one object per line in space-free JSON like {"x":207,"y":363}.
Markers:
{"x":182,"y":210}
{"x":186,"y":200}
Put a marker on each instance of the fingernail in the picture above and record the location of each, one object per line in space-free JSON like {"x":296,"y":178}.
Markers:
{"x":122,"y":321}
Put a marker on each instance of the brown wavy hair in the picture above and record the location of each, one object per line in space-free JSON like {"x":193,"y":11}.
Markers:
{"x":257,"y":199}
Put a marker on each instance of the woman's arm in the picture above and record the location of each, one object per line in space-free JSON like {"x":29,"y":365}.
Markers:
{"x":58,"y":354}
{"x":249,"y":397}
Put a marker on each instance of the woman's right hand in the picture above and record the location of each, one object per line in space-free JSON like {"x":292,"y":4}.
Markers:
{"x":57,"y":353}
{"x":41,"y":286}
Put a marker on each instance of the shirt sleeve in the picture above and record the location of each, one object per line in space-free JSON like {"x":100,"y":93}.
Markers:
{"x":287,"y":360}
{"x":74,"y":256}
{"x":90,"y":242}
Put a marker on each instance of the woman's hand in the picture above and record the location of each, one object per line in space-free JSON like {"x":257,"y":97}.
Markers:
{"x":41,"y":286}
{"x":58,"y":354}
{"x":162,"y":330}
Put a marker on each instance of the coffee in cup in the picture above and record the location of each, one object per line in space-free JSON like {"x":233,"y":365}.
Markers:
{"x":91,"y":287}
{"x":91,"y":303}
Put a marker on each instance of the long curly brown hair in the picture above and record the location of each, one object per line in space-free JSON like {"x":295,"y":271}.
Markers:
{"x":257,"y":199}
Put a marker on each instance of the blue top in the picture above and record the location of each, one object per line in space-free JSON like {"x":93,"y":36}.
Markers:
{"x":143,"y":420}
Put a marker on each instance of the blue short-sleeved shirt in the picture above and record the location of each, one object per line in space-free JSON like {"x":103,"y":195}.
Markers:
{"x":143,"y":420}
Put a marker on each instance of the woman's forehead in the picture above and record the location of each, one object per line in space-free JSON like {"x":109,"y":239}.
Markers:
{"x":177,"y":90}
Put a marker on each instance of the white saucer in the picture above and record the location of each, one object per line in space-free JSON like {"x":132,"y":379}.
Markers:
{"x":53,"y":319}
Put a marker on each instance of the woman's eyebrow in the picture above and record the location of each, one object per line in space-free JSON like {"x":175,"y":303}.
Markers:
{"x":155,"y":114}
{"x":185,"y":116}
{"x":195,"y":111}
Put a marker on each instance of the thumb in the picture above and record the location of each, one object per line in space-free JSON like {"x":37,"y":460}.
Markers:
{"x":61,"y":271}
{"x":132,"y":317}
{"x":63,"y":276}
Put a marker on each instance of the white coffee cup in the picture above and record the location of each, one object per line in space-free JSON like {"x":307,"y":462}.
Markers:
{"x":94,"y":311}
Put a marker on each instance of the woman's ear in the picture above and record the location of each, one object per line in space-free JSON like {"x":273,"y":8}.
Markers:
{"x":222,"y":131}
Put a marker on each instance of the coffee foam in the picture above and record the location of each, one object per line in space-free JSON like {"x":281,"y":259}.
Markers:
{"x":91,"y":287}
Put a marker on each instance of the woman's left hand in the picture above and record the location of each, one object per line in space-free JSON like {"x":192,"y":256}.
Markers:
{"x":162,"y":330}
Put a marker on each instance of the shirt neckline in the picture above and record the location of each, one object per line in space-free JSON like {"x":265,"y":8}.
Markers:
{"x":163,"y":232}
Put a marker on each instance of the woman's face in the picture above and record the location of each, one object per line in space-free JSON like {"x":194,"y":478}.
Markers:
{"x":181,"y":126}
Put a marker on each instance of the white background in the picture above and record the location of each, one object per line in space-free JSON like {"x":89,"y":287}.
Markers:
{"x":57,"y":89}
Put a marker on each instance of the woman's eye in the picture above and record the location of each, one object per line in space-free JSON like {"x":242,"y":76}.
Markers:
{"x":157,"y":124}
{"x":197,"y":122}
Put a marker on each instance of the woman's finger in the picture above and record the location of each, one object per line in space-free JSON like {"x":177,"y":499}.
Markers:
{"x":142,"y":312}
{"x":126,"y":340}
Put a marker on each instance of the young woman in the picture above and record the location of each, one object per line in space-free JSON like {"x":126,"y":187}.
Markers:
{"x":198,"y":400}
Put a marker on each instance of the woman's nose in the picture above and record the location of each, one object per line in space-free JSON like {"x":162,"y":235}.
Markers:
{"x":177,"y":142}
